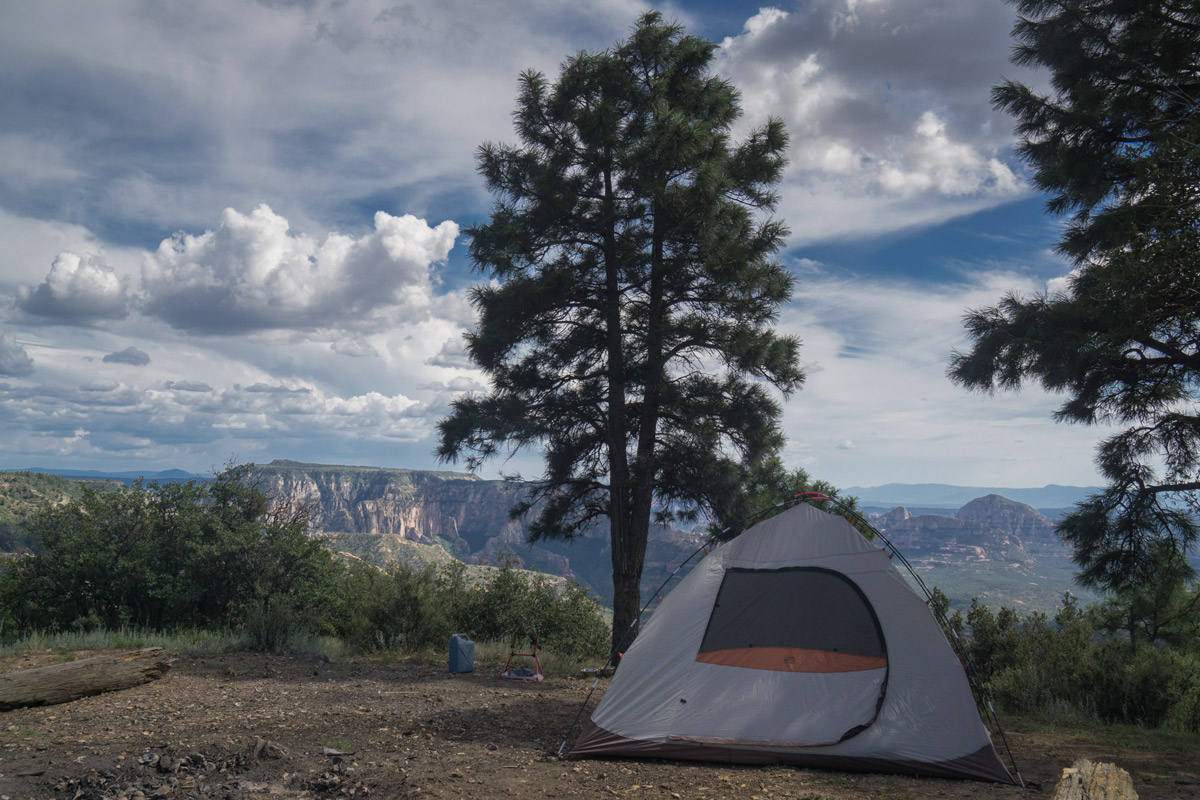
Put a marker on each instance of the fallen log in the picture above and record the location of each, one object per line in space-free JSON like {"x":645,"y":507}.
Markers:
{"x":71,"y":680}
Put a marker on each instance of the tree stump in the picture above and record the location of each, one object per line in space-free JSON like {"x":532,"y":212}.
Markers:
{"x":62,"y":683}
{"x":1085,"y":780}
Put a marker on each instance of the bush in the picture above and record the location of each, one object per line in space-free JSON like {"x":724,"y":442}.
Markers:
{"x":1069,"y":668}
{"x":218,"y":555}
{"x":165,"y":557}
{"x":410,"y":609}
{"x":397,"y":609}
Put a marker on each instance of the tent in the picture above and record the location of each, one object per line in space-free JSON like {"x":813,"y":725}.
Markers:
{"x":796,"y":643}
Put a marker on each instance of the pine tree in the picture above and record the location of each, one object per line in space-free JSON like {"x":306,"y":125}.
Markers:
{"x":1115,"y":144}
{"x":627,"y":325}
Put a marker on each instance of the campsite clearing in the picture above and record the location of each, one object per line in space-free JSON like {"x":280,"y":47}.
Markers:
{"x":365,"y":728}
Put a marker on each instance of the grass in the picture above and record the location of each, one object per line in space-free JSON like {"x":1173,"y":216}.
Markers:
{"x":188,"y":642}
{"x":1111,"y":734}
{"x":489,"y":655}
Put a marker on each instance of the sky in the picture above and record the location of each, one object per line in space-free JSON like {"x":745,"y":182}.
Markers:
{"x":232,"y":231}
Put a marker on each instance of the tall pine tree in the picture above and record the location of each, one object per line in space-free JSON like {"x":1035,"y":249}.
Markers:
{"x":1116,"y":144}
{"x":627,"y":325}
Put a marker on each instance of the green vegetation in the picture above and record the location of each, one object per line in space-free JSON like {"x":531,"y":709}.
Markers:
{"x":198,"y":642}
{"x":21,"y":495}
{"x":1080,"y":666}
{"x":167,"y":556}
{"x":216,"y":566}
{"x":762,"y":489}
{"x":627,"y":328}
{"x":1113,"y":144}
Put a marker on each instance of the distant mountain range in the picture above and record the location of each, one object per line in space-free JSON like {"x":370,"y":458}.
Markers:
{"x":993,"y":548}
{"x":162,"y":476}
{"x":889,"y":495}
{"x":944,"y":495}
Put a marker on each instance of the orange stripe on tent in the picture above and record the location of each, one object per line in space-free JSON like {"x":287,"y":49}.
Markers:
{"x":791,"y":659}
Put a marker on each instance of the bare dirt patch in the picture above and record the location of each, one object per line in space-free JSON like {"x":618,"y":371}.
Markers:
{"x":255,"y":726}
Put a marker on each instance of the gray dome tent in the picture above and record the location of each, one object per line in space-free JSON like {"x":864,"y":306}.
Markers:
{"x":797,"y":643}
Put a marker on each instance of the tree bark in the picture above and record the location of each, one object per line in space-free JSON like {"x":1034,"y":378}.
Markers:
{"x":62,"y":683}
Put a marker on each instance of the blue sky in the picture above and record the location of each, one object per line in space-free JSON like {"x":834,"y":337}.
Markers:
{"x":232,"y":229}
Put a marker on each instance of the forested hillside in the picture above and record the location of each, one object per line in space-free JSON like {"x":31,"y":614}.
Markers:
{"x":22,"y":494}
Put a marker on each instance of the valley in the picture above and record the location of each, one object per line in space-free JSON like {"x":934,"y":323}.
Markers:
{"x":992,"y":548}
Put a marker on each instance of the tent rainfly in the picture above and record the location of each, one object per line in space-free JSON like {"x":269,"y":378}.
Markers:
{"x":796,"y":643}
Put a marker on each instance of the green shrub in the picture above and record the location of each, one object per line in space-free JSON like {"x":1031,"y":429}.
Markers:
{"x":1068,"y":667}
{"x":410,"y":609}
{"x":397,"y":609}
{"x":166,"y":556}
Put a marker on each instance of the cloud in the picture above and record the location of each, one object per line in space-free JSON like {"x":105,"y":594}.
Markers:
{"x":79,"y":289}
{"x":130,"y":355}
{"x":453,"y":355}
{"x":318,"y":108}
{"x":884,"y":136}
{"x":357,"y":348}
{"x":14,"y":361}
{"x":263,"y":388}
{"x":253,"y":273}
{"x":878,"y":407}
{"x":188,"y":386}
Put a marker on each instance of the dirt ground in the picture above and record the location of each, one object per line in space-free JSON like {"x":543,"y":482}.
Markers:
{"x":255,"y":726}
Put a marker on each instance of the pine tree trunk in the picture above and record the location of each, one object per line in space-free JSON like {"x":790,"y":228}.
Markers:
{"x":627,"y":598}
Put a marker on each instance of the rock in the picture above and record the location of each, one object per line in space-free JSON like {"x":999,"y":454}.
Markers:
{"x":1085,"y":780}
{"x":268,"y":750}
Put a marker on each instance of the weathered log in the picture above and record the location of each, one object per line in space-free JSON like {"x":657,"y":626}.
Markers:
{"x":71,"y":680}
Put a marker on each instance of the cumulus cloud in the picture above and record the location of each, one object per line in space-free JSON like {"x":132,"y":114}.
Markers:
{"x":130,"y":355}
{"x":79,"y":289}
{"x":459,"y":384}
{"x":357,"y":348}
{"x":188,"y":386}
{"x":453,"y":354}
{"x":265,"y":388}
{"x":253,"y":273}
{"x":883,"y":136}
{"x":360,"y":100}
{"x":14,"y":361}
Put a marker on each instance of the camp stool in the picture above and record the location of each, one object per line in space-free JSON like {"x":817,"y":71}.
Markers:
{"x":522,"y":673}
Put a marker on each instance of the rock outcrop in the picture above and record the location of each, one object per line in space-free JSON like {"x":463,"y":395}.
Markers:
{"x":372,"y":512}
{"x":987,"y":528}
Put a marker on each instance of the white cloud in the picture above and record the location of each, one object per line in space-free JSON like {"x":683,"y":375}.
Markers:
{"x":317,"y":108}
{"x":356,"y":347}
{"x":884,"y":136}
{"x":878,"y":407}
{"x":79,"y":289}
{"x":14,"y":361}
{"x":253,"y":273}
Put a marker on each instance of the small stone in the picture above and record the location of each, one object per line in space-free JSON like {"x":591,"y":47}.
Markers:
{"x":266,"y":749}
